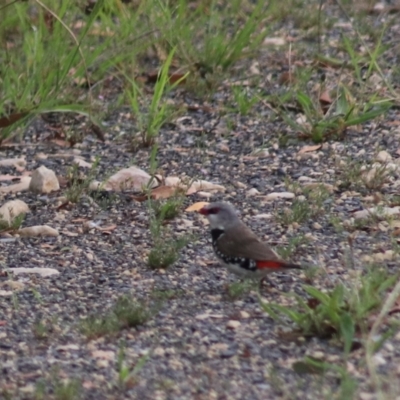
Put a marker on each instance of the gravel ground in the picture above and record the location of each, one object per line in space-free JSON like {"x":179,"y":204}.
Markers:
{"x":200,"y":344}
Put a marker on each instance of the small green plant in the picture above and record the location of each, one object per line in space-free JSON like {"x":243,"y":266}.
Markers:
{"x":127,"y":375}
{"x":299,"y":212}
{"x":295,"y":243}
{"x":126,"y":313}
{"x":165,"y":250}
{"x":243,"y":100}
{"x":348,"y":385}
{"x":163,"y":295}
{"x":343,"y":113}
{"x":79,"y":184}
{"x":238,"y":289}
{"x":41,"y":329}
{"x":13,"y":225}
{"x":58,"y":389}
{"x":311,"y":205}
{"x":342,"y":312}
{"x":167,"y":209}
{"x":159,"y":111}
{"x":68,"y":390}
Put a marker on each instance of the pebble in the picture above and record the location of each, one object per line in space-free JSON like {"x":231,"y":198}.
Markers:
{"x":279,"y":195}
{"x":378,"y":360}
{"x":383,"y":156}
{"x":252,"y":192}
{"x":233,"y":324}
{"x":44,"y":180}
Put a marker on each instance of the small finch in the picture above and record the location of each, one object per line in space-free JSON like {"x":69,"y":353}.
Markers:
{"x":237,"y":247}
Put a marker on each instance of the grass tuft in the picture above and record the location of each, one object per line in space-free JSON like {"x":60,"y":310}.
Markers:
{"x":126,"y":313}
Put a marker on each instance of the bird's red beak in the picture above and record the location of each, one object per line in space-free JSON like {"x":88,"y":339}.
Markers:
{"x":203,"y":211}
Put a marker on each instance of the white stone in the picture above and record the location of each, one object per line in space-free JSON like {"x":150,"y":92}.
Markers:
{"x":377,"y":211}
{"x":233,"y":324}
{"x":279,"y":195}
{"x":378,"y":360}
{"x":38,"y":230}
{"x":18,"y":187}
{"x":43,"y":180}
{"x":13,"y":162}
{"x":305,"y":179}
{"x":41,"y":271}
{"x":383,"y":156}
{"x":252,"y":192}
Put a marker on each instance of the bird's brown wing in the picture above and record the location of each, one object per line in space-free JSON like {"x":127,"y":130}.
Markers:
{"x":242,"y":242}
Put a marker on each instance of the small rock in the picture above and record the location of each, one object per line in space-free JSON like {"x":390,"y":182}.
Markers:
{"x":38,"y":230}
{"x":316,"y":225}
{"x":318,"y":355}
{"x":279,"y":195}
{"x":41,"y":271}
{"x":233,"y":324}
{"x":224,"y":147}
{"x":389,"y":347}
{"x":240,"y":185}
{"x":14,"y":285}
{"x":18,"y":187}
{"x":129,"y":178}
{"x":159,"y":351}
{"x":378,"y":360}
{"x":104,"y":354}
{"x":305,"y":179}
{"x":11,"y":210}
{"x":252,"y":192}
{"x":244,"y":314}
{"x":82,"y":163}
{"x":228,"y":353}
{"x":383,"y":157}
{"x":102,"y":363}
{"x":44,"y":180}
{"x":367,"y":396}
{"x":205,"y":195}
{"x":377,"y":211}
{"x":327,"y":186}
{"x":13,"y":162}
{"x":4,"y":293}
{"x":263,"y":216}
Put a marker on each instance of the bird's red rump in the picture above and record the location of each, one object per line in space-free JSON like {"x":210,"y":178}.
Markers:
{"x":270,"y":264}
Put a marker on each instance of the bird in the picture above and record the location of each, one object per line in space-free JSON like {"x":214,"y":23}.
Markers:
{"x":238,"y":247}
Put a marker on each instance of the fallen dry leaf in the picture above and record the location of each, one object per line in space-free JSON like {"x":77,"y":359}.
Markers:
{"x":196,"y":206}
{"x":108,"y":228}
{"x":163,"y":192}
{"x":308,"y":149}
{"x":11,"y":119}
{"x":325,"y":98}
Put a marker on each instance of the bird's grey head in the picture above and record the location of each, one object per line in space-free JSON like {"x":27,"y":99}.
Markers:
{"x":220,"y":215}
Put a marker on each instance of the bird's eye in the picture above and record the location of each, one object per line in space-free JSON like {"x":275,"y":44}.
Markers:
{"x":213,"y":210}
